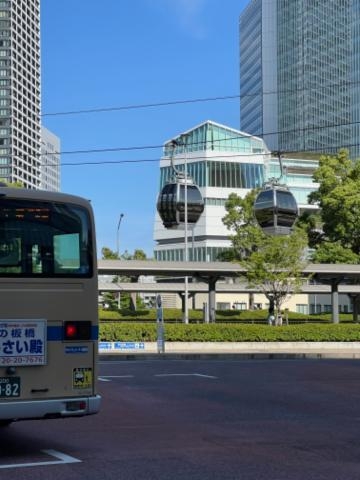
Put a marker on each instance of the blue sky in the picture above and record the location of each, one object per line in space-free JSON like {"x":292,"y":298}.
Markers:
{"x":124,"y":53}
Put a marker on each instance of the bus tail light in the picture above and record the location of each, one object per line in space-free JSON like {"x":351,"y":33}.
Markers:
{"x":77,"y":330}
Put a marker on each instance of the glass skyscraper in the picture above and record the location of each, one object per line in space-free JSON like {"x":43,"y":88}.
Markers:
{"x":50,"y":161}
{"x":300,"y":74}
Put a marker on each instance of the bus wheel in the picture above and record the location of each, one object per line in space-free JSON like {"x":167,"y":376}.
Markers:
{"x":5,"y":423}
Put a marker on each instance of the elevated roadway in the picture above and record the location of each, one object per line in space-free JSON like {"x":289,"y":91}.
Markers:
{"x":331,"y":278}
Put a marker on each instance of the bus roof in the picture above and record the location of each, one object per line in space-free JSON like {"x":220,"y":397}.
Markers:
{"x":45,"y":195}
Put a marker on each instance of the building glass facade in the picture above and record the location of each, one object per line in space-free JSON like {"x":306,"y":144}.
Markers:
{"x":219,"y":174}
{"x":50,"y":161}
{"x":214,"y":137}
{"x":316,"y":55}
{"x":251,"y":69}
{"x":297,"y":175}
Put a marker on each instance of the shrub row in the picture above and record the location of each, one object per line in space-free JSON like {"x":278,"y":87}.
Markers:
{"x":175,"y":315}
{"x":146,"y":332}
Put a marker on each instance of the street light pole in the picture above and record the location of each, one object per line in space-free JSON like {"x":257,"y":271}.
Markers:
{"x":186,"y":256}
{"x":117,"y":235}
{"x":118,"y":252}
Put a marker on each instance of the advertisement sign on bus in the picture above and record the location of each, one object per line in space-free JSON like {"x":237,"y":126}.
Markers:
{"x":23,"y":342}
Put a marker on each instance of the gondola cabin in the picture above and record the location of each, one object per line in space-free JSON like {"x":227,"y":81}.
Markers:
{"x":276,"y":210}
{"x":171,"y":204}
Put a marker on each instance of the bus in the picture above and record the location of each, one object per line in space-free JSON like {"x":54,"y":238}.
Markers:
{"x":48,"y":306}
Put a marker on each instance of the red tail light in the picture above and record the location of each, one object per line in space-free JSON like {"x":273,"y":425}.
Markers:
{"x":77,"y":330}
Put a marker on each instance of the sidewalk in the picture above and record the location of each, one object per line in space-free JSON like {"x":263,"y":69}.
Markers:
{"x":229,"y":350}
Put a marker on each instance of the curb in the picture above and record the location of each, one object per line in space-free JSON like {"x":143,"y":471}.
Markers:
{"x":226,"y":356}
{"x":237,"y":351}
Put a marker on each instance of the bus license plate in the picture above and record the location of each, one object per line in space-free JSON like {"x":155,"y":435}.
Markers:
{"x":9,"y":387}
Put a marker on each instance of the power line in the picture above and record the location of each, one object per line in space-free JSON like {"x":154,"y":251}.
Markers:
{"x":105,"y":162}
{"x":302,"y":90}
{"x":199,"y":100}
{"x":148,"y":147}
{"x":147,"y":160}
{"x":207,"y":157}
{"x":138,"y":106}
{"x":104,"y":150}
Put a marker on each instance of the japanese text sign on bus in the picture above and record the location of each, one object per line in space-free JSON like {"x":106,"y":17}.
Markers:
{"x":22,"y":342}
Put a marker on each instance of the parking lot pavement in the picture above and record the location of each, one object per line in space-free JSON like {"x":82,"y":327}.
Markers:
{"x":215,"y":419}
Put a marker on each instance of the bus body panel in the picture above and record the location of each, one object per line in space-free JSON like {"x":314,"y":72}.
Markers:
{"x":65,"y":383}
{"x":51,"y":408}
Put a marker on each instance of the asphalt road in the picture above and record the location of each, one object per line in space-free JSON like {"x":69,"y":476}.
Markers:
{"x":238,"y":420}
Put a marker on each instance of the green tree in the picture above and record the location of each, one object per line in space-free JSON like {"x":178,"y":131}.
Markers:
{"x":108,"y":254}
{"x":334,"y":253}
{"x":274,"y":264}
{"x":246,"y":235}
{"x":16,"y":184}
{"x":337,"y":223}
{"x":276,"y":267}
{"x":127,"y":300}
{"x":137,"y":255}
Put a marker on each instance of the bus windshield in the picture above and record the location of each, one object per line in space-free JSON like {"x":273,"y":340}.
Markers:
{"x":44,"y":239}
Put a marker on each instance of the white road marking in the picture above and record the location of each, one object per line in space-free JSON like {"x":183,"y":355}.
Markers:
{"x":108,"y":378}
{"x":62,"y":458}
{"x":203,"y":375}
{"x":183,"y":375}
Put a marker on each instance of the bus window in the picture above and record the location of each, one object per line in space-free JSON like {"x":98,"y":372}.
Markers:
{"x":44,"y":239}
{"x":9,"y":252}
{"x":66,"y":252}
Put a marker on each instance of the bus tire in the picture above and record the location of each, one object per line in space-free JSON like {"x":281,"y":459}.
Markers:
{"x":5,"y":423}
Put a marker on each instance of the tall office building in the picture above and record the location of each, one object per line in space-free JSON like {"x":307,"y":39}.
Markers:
{"x":20,"y":131}
{"x":50,"y":161}
{"x":300,"y":74}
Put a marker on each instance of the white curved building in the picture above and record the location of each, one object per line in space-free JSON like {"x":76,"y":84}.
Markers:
{"x":221,"y":160}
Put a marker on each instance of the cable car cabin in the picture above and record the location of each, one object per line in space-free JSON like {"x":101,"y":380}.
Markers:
{"x":276,"y":210}
{"x":171,"y":204}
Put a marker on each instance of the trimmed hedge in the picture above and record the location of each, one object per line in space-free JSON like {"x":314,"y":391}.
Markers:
{"x":146,"y":332}
{"x":175,"y":315}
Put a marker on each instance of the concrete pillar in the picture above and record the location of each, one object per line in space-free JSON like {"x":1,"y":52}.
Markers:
{"x":133,"y":295}
{"x":355,"y":299}
{"x":182,"y":296}
{"x":335,"y":300}
{"x":357,"y":303}
{"x":212,"y":299}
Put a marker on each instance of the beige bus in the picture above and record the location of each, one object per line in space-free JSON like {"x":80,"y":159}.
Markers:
{"x":48,"y":306}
